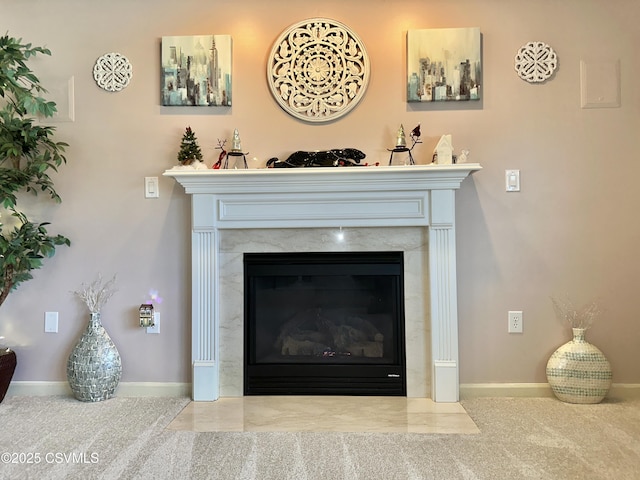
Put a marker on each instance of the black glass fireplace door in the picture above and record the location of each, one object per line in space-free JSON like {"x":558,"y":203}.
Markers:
{"x":324,"y":323}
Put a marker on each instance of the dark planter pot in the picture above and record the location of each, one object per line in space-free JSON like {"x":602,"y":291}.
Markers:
{"x":8,"y":364}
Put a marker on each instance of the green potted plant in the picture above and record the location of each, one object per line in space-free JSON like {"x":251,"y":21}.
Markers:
{"x":28,"y":153}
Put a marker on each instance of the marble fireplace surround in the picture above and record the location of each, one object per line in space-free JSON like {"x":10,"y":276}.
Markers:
{"x":233,"y":211}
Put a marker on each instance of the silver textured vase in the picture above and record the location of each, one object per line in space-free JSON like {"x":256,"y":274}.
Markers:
{"x":94,"y":367}
{"x":578,"y":372}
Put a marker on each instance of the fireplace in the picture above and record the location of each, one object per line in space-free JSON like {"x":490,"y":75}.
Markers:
{"x":283,"y":200}
{"x":324,"y":323}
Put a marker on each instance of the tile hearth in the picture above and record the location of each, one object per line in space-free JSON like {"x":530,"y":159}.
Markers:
{"x":325,"y":414}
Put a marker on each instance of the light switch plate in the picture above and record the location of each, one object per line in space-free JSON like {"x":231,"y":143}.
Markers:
{"x":151,"y":189}
{"x":512,"y":180}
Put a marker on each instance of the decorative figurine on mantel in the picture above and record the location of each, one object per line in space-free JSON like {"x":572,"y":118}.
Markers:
{"x":189,"y":148}
{"x":236,"y":151}
{"x":336,"y":157}
{"x":222,"y":156}
{"x":443,"y":153}
{"x":401,"y":143}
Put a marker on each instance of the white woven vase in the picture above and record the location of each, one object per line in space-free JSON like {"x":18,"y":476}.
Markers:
{"x":578,"y":372}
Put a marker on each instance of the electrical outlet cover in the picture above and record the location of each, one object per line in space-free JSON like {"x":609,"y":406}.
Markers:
{"x":515,"y":322}
{"x":51,"y":322}
{"x":156,"y":321}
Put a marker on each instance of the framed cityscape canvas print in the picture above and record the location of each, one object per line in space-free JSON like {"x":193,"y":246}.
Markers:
{"x":196,"y":71}
{"x":443,"y":64}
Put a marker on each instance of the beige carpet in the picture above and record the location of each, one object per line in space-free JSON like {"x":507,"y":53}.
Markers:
{"x":126,"y":438}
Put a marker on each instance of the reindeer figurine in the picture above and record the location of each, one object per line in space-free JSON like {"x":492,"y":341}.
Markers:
{"x":401,"y":143}
{"x":222,"y":156}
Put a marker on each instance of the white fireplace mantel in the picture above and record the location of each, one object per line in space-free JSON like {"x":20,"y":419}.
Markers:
{"x":394,"y":196}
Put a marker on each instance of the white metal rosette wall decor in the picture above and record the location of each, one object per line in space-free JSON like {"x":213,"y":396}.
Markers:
{"x":535,"y":62}
{"x":112,"y":72}
{"x":318,"y":70}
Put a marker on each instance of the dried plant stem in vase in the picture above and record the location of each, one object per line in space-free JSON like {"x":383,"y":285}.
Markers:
{"x":576,"y":317}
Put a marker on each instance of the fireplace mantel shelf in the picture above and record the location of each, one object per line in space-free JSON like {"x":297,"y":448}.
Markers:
{"x":417,"y":195}
{"x":330,"y":179}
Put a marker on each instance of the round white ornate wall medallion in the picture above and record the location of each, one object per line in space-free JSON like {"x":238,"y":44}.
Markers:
{"x":535,"y":62}
{"x":318,"y":70}
{"x":112,"y":72}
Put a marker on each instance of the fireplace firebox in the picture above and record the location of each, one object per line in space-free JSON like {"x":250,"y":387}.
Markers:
{"x":328,"y":323}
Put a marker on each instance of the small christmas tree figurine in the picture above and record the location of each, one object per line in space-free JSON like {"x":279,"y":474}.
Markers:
{"x":189,"y":148}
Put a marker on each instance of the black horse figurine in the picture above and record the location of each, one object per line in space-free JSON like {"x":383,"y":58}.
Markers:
{"x":345,"y":157}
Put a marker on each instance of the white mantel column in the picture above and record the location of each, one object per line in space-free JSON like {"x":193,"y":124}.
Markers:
{"x":205,"y":351}
{"x":443,"y":289}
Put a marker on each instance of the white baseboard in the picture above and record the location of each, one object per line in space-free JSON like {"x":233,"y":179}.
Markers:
{"x":624,"y":390}
{"x":125,"y":389}
{"x":475,"y":390}
{"x":161,"y":389}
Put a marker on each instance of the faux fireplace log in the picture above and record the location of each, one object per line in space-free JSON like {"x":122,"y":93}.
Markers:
{"x":419,"y":195}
